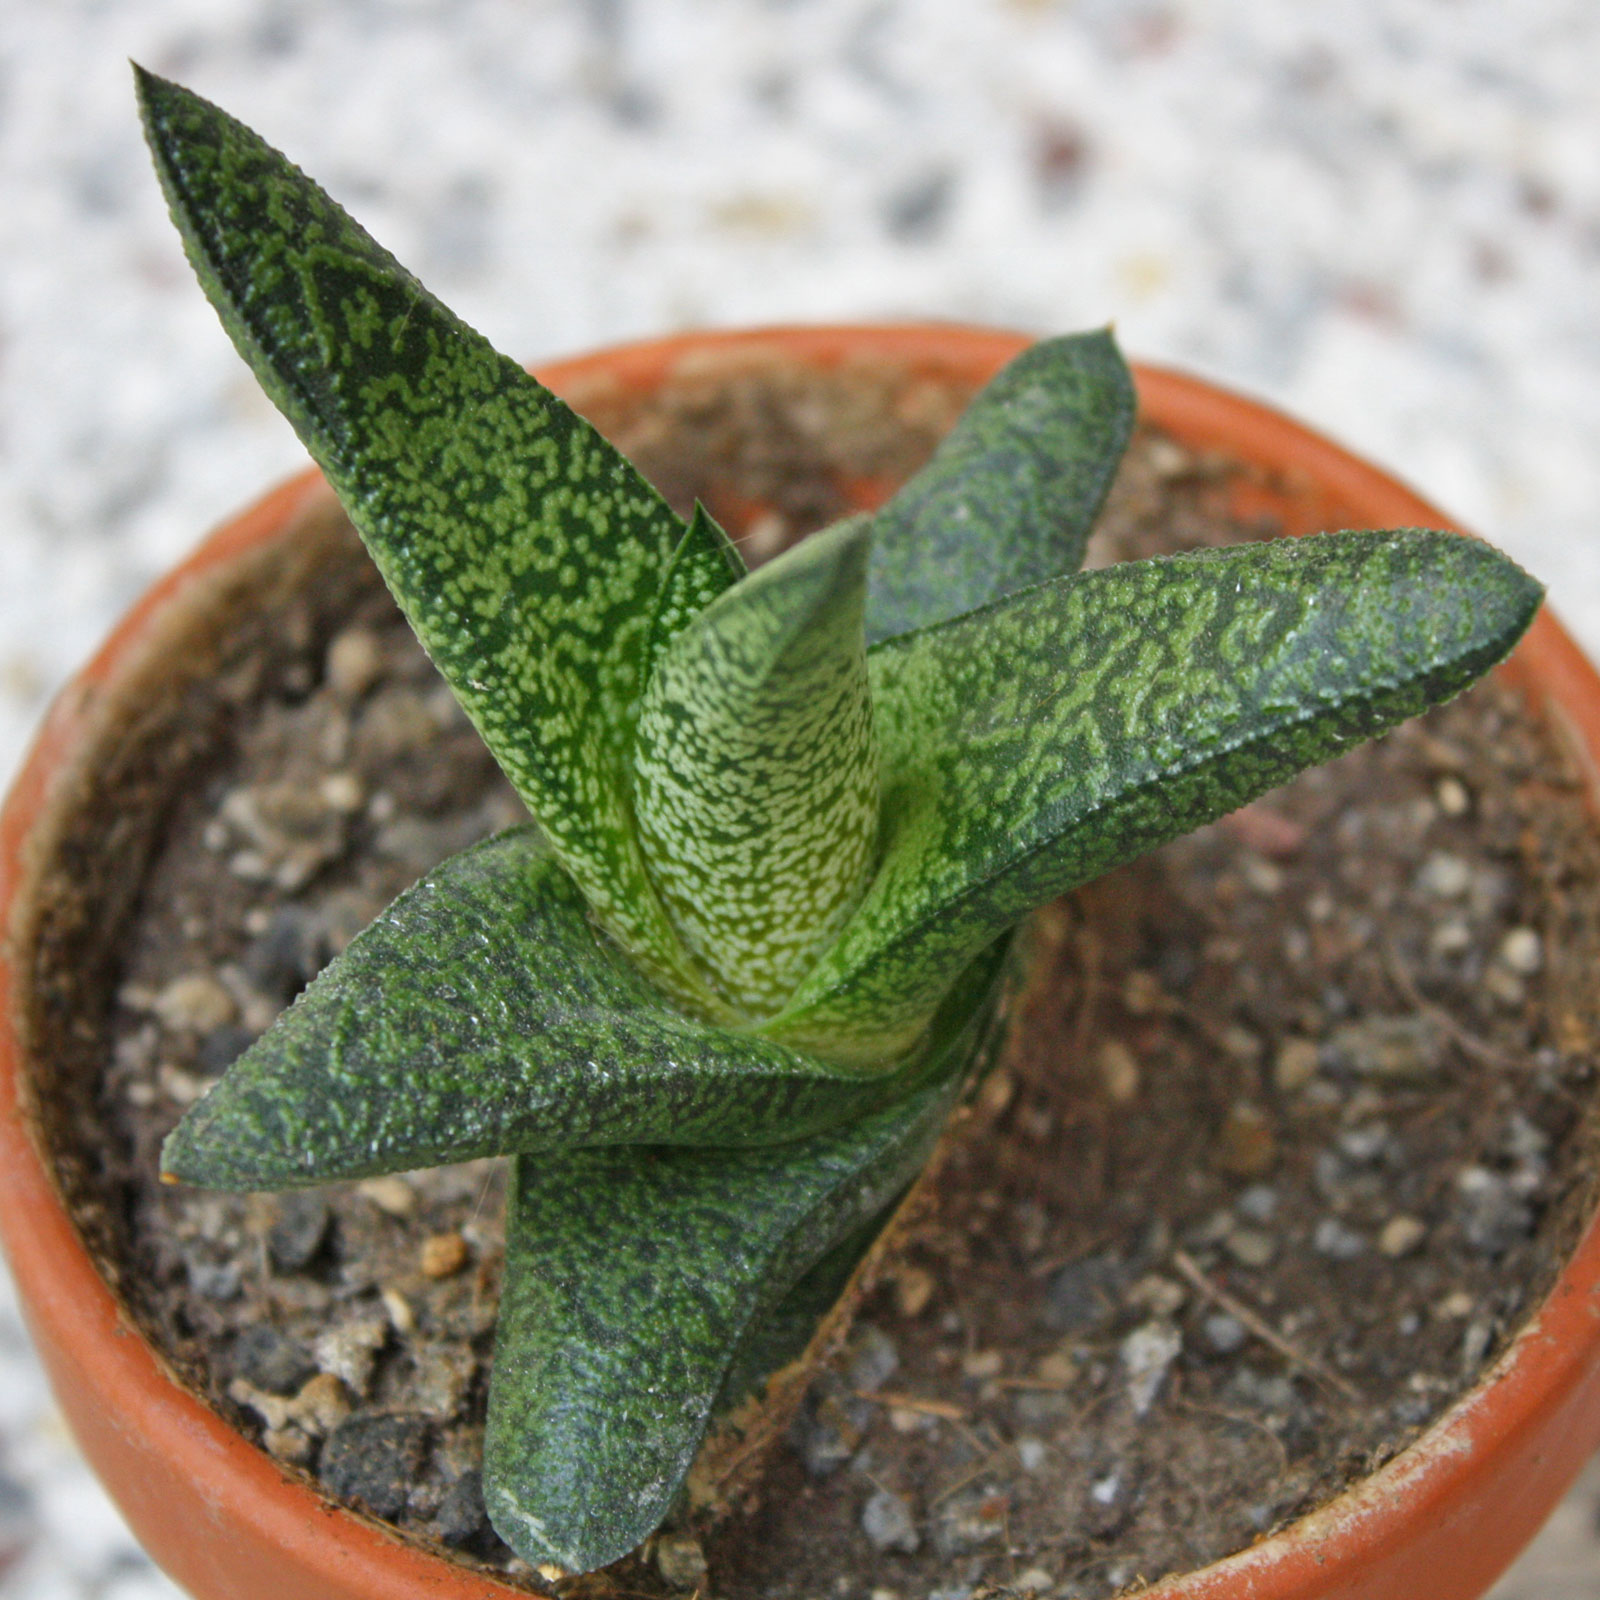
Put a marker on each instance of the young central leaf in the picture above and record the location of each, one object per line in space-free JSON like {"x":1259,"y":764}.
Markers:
{"x":757,"y":772}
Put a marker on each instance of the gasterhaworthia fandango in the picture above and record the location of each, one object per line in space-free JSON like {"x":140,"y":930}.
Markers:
{"x":765,"y":818}
{"x":1011,"y":493}
{"x":526,"y":551}
{"x":756,"y":769}
{"x":1039,"y":742}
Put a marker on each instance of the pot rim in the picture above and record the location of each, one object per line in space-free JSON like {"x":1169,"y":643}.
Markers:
{"x":1497,"y":1459}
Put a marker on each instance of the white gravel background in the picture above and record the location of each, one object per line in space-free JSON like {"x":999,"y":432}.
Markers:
{"x":1384,"y":216}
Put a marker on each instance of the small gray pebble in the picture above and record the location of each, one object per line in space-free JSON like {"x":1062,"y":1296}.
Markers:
{"x":825,"y":1431}
{"x":888,"y":1524}
{"x":1395,"y":1048}
{"x":1251,"y":1247}
{"x":1493,"y":1217}
{"x":297,"y":1234}
{"x":1223,"y":1333}
{"x":1410,"y":1409}
{"x":1336,"y":1241}
{"x":873,"y":1358}
{"x":1258,"y":1203}
{"x":1084,"y":1295}
{"x":462,"y":1521}
{"x":1364,"y":1145}
{"x":213,"y":1280}
{"x":1525,"y":1140}
{"x":1475,"y":1342}
{"x":373,"y":1460}
{"x":960,"y":1524}
{"x":1444,"y":876}
{"x":271,"y":1360}
{"x":681,"y":1561}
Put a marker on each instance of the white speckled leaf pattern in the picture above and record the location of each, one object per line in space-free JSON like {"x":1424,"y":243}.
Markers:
{"x":1037,"y":743}
{"x":771,"y":821}
{"x":757,"y":771}
{"x":527,"y":552}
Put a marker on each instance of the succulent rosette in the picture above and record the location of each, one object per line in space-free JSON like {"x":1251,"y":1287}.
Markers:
{"x":719,"y":998}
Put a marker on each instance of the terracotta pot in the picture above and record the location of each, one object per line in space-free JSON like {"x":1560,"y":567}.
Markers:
{"x":1441,"y":1520}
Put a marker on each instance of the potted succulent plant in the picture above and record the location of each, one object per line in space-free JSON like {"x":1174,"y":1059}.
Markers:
{"x":719,"y":1002}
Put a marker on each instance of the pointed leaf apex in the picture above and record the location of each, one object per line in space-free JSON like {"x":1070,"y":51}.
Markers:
{"x":809,"y":579}
{"x":756,"y":768}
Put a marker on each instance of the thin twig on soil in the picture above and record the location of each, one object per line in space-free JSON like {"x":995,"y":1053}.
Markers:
{"x":1263,"y":1330}
{"x":1413,"y":996}
{"x":1240,"y":1419}
{"x":983,"y":1466}
{"x":943,"y":1409}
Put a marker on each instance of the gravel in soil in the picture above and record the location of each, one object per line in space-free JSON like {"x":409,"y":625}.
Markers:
{"x":1292,"y":1134}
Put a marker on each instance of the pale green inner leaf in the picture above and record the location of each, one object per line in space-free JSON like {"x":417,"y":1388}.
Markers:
{"x":756,"y":769}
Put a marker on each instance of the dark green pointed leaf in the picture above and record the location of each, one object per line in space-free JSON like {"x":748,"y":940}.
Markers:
{"x":1033,"y":745}
{"x":527,"y":553}
{"x":482,"y":1013}
{"x":783,"y":1334}
{"x":1011,"y":494}
{"x":756,"y":774}
{"x":615,"y":1339}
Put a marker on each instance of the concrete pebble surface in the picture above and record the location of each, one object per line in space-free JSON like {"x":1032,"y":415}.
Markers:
{"x":1384,"y":216}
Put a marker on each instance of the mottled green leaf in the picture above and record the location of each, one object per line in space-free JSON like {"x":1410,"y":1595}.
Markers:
{"x":635,"y":1277}
{"x":1033,"y":745}
{"x":482,"y":1013}
{"x":527,"y":553}
{"x":756,"y":774}
{"x":781,"y":1336}
{"x":1011,"y":493}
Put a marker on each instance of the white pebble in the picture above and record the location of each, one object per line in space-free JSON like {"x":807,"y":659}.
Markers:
{"x":1444,"y":876}
{"x":354,"y":661}
{"x":1146,"y":1355}
{"x":1400,"y":1236}
{"x":195,"y":1003}
{"x":1523,"y":951}
{"x":1452,"y":796}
